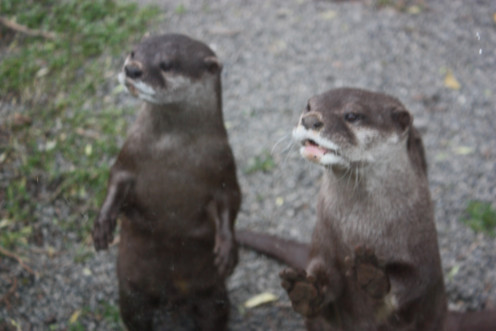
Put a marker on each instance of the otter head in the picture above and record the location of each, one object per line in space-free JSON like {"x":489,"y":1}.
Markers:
{"x":171,"y":68}
{"x":346,"y":127}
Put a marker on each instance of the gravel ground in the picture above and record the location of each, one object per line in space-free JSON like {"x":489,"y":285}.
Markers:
{"x":276,"y":55}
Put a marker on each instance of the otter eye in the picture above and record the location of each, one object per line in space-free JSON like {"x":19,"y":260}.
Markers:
{"x":131,"y":54}
{"x":352,"y":117}
{"x":165,"y":65}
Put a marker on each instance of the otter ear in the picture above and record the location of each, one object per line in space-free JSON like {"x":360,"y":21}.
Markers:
{"x":402,"y":119}
{"x":213,"y":64}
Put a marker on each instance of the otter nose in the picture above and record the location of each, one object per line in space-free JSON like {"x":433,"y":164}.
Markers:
{"x":133,"y":71}
{"x":312,"y":122}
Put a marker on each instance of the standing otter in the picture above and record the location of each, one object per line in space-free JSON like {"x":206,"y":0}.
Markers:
{"x":174,"y":183}
{"x":374,"y":196}
{"x":373,"y":263}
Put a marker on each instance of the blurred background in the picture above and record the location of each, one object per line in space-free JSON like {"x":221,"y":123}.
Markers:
{"x":63,"y":119}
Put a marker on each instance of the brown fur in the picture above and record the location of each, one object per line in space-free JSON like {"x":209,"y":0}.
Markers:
{"x":373,"y":261}
{"x":383,"y":208}
{"x":174,"y":185}
{"x":291,"y":252}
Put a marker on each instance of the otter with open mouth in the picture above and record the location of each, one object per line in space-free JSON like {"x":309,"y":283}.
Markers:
{"x":373,"y":262}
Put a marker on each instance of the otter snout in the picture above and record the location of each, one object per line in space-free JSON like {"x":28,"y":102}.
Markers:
{"x":312,"y":122}
{"x":133,"y":70}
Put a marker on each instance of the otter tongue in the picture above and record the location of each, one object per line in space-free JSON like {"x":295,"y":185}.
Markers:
{"x":314,"y":151}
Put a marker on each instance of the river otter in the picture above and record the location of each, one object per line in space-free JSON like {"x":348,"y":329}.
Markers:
{"x":373,"y":263}
{"x":174,"y":184}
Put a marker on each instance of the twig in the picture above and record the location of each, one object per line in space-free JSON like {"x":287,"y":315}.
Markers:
{"x":58,"y":191}
{"x":14,"y":256}
{"x":47,"y":251}
{"x":5,"y":297}
{"x":24,"y":29}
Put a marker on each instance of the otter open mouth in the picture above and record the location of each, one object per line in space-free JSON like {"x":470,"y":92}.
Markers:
{"x":311,"y":147}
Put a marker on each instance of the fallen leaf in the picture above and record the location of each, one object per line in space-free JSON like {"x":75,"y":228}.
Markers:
{"x":50,"y":145}
{"x":224,"y":31}
{"x":452,"y":273}
{"x":19,"y":120}
{"x":88,"y":149}
{"x":75,"y":316}
{"x":494,"y":17}
{"x":42,"y":72}
{"x":279,"y":201}
{"x":51,"y":251}
{"x":450,"y":81}
{"x":260,"y":299}
{"x":463,"y":150}
{"x":414,"y":10}
{"x":328,"y":15}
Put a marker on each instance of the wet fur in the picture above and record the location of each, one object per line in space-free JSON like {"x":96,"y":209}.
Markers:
{"x":174,"y":187}
{"x":373,"y":263}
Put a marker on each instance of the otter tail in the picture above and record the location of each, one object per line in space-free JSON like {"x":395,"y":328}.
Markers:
{"x":471,"y":321}
{"x":291,"y":252}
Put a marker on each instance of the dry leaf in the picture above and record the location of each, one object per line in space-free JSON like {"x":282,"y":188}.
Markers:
{"x":453,"y":272}
{"x":259,"y":300}
{"x":88,"y":150}
{"x":42,"y":72}
{"x":328,"y":15}
{"x":75,"y":316}
{"x":50,"y":145}
{"x":224,"y":31}
{"x":51,"y":251}
{"x":19,"y":120}
{"x":414,"y":10}
{"x":463,"y":150}
{"x":450,"y":81}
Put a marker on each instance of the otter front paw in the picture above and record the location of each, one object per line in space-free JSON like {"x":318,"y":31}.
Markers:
{"x":303,"y":290}
{"x":368,"y":272}
{"x":226,"y":257}
{"x":103,"y":232}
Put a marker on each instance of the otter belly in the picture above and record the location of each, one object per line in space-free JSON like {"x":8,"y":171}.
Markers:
{"x":161,"y":265}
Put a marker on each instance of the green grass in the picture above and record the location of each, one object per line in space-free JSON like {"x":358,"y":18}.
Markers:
{"x":105,"y":313}
{"x":481,"y":217}
{"x":62,"y":154}
{"x":111,"y":314}
{"x":263,"y":162}
{"x":180,"y":9}
{"x":84,"y":29}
